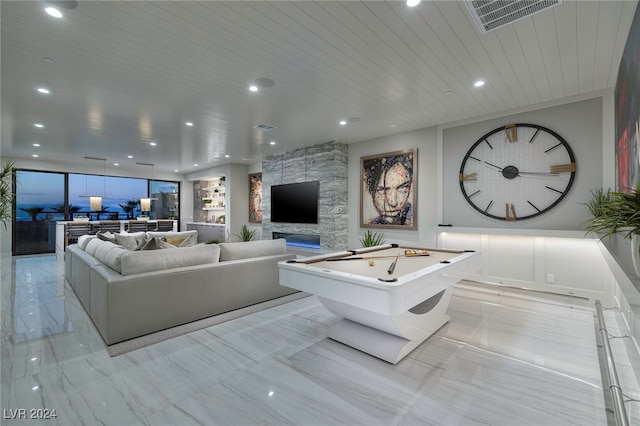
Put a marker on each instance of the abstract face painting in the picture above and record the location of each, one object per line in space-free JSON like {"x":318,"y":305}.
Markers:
{"x":255,"y":198}
{"x":388,"y":190}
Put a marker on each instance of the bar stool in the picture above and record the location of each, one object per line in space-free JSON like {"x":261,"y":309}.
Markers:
{"x":109,"y":226}
{"x":137,"y":226}
{"x":74,"y":230}
{"x":164,"y":225}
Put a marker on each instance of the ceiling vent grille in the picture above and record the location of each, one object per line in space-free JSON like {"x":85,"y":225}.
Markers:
{"x":264,"y":127}
{"x":491,"y":14}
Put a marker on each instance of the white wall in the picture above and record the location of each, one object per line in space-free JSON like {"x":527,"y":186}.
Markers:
{"x":426,"y":211}
{"x":560,"y":262}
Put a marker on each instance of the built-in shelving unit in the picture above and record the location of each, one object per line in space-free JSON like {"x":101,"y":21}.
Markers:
{"x":210,"y":201}
{"x":214,"y":196}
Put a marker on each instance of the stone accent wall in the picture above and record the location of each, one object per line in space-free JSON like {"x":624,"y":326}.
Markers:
{"x":326,"y":163}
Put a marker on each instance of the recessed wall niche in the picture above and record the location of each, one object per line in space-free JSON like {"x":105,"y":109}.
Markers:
{"x":326,"y":163}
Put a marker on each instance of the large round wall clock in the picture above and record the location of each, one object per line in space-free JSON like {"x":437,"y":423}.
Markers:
{"x":517,"y":171}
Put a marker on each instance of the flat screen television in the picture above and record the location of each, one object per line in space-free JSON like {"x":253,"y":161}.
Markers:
{"x":295,"y":202}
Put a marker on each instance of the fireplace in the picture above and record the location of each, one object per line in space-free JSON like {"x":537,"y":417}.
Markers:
{"x":299,"y":240}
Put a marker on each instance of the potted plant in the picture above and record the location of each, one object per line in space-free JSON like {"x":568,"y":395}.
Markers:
{"x":246,"y":234}
{"x":372,"y":239}
{"x":616,"y":213}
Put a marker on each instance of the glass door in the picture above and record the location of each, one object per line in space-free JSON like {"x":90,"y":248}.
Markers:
{"x":165,"y":198}
{"x":40,"y":202}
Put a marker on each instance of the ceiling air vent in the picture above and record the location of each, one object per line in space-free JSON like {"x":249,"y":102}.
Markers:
{"x":264,"y":127}
{"x":492,"y":14}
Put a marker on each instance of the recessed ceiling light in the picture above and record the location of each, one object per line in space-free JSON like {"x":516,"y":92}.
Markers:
{"x":253,"y":88}
{"x":413,"y":3}
{"x":152,"y":143}
{"x":36,"y":144}
{"x":227,"y":156}
{"x":116,"y":164}
{"x":195,"y":165}
{"x":34,"y":155}
{"x":343,"y":122}
{"x":272,"y":143}
{"x":38,"y":125}
{"x":176,"y":170}
{"x":53,"y":12}
{"x":43,"y":90}
{"x":479,"y":83}
{"x":129,"y":156}
{"x":188,"y":123}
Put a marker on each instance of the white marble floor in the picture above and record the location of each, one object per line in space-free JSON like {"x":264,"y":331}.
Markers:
{"x":499,"y":361}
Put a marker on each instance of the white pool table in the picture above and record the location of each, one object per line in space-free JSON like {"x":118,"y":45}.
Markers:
{"x":387,"y":311}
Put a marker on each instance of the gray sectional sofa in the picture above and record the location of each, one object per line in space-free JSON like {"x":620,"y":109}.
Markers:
{"x":130,"y":293}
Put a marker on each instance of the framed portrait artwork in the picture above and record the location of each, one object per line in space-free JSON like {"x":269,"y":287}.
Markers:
{"x":388,"y":190}
{"x":255,"y":198}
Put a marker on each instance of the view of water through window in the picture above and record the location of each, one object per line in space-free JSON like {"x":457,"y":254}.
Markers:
{"x":40,"y":203}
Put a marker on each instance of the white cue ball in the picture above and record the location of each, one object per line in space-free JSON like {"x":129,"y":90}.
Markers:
{"x":371,"y":262}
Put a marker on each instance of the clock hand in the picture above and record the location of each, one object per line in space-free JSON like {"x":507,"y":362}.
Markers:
{"x":493,"y":165}
{"x":538,"y":173}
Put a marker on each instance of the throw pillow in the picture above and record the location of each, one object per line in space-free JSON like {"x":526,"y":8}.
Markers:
{"x":106,"y":236}
{"x":181,"y":240}
{"x":175,"y":241}
{"x":150,"y":244}
{"x":128,"y":241}
{"x":165,"y":245}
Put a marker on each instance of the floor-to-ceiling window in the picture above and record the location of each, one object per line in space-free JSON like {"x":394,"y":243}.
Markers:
{"x":121,"y":196}
{"x":40,"y":202}
{"x":165,"y":199}
{"x":42,"y":198}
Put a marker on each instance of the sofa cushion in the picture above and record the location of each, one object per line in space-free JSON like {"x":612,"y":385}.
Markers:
{"x":83,"y":240}
{"x":92,"y":245}
{"x":245,"y":250}
{"x":137,"y":262}
{"x":108,"y":253}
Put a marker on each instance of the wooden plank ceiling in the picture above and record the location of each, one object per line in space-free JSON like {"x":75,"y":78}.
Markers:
{"x":125,"y":74}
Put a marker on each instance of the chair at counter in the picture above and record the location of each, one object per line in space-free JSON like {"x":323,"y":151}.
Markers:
{"x":112,"y":226}
{"x":164,"y":225}
{"x":138,"y":226}
{"x":73,"y":230}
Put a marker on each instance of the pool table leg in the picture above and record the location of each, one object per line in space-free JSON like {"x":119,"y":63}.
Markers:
{"x":388,"y":337}
{"x":382,"y":345}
